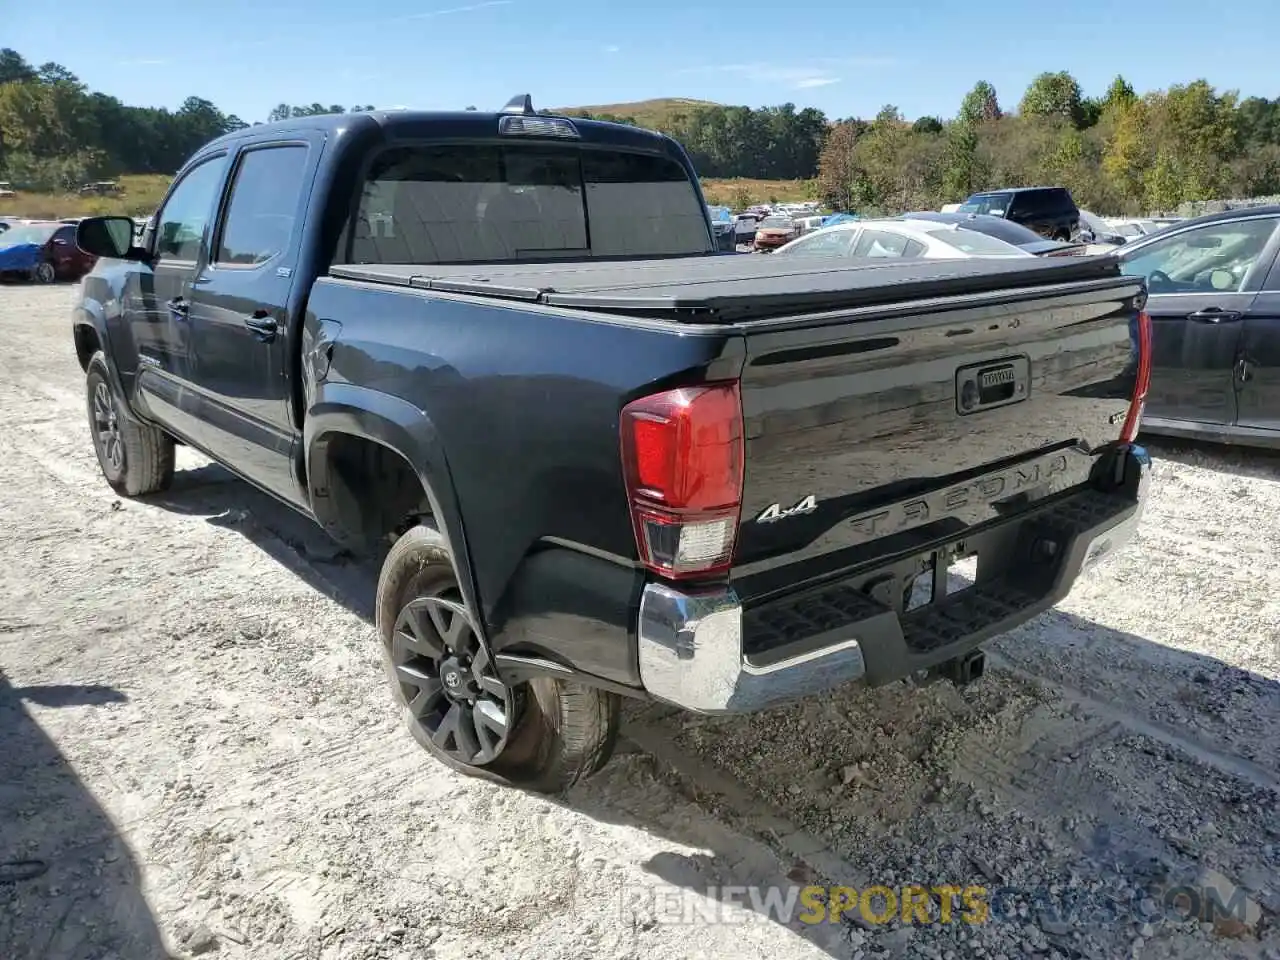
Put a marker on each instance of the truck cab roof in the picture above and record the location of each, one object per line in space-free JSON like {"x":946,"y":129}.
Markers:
{"x":408,"y":125}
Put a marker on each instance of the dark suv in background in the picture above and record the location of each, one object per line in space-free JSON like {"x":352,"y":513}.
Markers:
{"x":1049,"y":211}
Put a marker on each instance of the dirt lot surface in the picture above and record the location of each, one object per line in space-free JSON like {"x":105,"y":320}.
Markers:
{"x":198,"y":755}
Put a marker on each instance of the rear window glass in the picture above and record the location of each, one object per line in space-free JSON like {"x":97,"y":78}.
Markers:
{"x":974,"y":243}
{"x":462,"y":204}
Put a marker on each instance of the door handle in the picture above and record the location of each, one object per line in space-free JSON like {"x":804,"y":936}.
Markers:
{"x":1214,"y":315}
{"x":263,"y":325}
{"x":178,"y":305}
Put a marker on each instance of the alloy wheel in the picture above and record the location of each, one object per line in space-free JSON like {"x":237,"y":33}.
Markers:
{"x":45,"y":272}
{"x":106,"y":427}
{"x":447,"y":680}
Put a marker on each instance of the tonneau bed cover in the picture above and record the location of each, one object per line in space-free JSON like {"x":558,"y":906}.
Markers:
{"x":732,"y":288}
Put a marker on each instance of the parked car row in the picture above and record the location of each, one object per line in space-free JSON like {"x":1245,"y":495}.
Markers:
{"x":1214,"y":298}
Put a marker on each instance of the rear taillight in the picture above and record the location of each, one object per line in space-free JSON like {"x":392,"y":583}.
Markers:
{"x":1142,"y":379}
{"x":682,"y":456}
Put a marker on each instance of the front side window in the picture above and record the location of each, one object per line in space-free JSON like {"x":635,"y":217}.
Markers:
{"x":185,"y":216}
{"x":464,"y":204}
{"x":1214,"y":258}
{"x":264,"y":204}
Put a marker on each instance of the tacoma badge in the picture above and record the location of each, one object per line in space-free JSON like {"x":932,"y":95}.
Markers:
{"x":775,"y":512}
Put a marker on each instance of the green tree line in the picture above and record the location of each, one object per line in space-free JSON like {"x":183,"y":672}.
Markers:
{"x":1120,"y":152}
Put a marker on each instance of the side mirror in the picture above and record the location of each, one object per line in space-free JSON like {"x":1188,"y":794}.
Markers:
{"x":110,"y":237}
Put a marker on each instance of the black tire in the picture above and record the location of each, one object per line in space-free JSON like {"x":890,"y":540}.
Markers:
{"x":44,"y":272}
{"x":136,"y":458}
{"x":557,"y":732}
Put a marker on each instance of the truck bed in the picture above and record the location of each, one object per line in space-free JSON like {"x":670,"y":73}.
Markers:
{"x":729,"y":289}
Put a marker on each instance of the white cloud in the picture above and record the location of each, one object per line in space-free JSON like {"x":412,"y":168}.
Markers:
{"x":808,"y":83}
{"x":817,"y":73}
{"x":612,"y":48}
{"x":467,"y":9}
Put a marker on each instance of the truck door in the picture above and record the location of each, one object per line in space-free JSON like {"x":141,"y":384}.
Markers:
{"x":239,"y":314}
{"x":157,"y":297}
{"x":1203,"y":282}
{"x":1259,"y":370}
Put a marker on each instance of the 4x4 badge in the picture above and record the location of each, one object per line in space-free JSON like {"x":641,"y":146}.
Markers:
{"x":774,"y":511}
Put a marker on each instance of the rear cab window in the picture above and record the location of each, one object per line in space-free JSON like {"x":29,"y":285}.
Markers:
{"x":466,"y":203}
{"x":266,"y":189}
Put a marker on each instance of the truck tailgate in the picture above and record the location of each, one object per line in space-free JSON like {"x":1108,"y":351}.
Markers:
{"x":884,"y":432}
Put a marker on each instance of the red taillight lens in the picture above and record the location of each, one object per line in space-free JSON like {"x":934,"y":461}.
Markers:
{"x":682,"y":454}
{"x":1133,"y":420}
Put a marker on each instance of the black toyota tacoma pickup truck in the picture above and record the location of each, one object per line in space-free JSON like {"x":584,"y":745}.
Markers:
{"x":595,"y":457}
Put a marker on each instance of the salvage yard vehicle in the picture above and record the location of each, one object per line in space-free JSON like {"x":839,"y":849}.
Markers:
{"x":43,"y":252}
{"x":594,"y":457}
{"x":1049,"y":211}
{"x":1015,"y":233}
{"x":1214,"y":285}
{"x":898,"y":237}
{"x":774,"y":231}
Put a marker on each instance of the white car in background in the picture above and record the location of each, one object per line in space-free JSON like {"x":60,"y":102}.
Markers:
{"x":900,"y":238}
{"x":809,"y":225}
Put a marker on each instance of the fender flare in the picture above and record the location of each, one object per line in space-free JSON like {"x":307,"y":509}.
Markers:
{"x":350,"y":410}
{"x":88,"y":313}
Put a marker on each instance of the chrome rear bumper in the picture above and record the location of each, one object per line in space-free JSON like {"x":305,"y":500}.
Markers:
{"x":699,"y":650}
{"x":691,"y":654}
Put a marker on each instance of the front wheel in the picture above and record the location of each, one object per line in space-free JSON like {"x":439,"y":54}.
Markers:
{"x":44,"y":273}
{"x":542,"y":735}
{"x":136,"y":458}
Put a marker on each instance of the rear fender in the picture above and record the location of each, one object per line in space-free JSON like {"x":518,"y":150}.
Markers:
{"x":342,"y":409}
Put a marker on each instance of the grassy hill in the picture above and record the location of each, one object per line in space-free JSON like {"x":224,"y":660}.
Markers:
{"x":646,"y":113}
{"x":142,"y":194}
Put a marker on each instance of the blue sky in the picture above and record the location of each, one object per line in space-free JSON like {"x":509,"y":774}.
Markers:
{"x":847,"y":59}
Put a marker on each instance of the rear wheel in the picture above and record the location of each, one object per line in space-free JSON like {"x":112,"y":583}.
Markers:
{"x":543,"y":735}
{"x":136,"y":458}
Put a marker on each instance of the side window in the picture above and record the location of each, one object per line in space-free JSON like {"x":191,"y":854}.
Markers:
{"x":1033,"y":204}
{"x":827,"y":244}
{"x":914,"y":249}
{"x":1215,"y":258}
{"x":181,"y":223}
{"x":264,"y":204}
{"x":65,"y":235}
{"x":877,"y":243}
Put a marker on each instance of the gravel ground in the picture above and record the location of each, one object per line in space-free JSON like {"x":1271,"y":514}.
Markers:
{"x":197,"y":754}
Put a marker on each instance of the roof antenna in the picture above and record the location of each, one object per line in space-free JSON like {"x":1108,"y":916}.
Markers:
{"x":520,"y":104}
